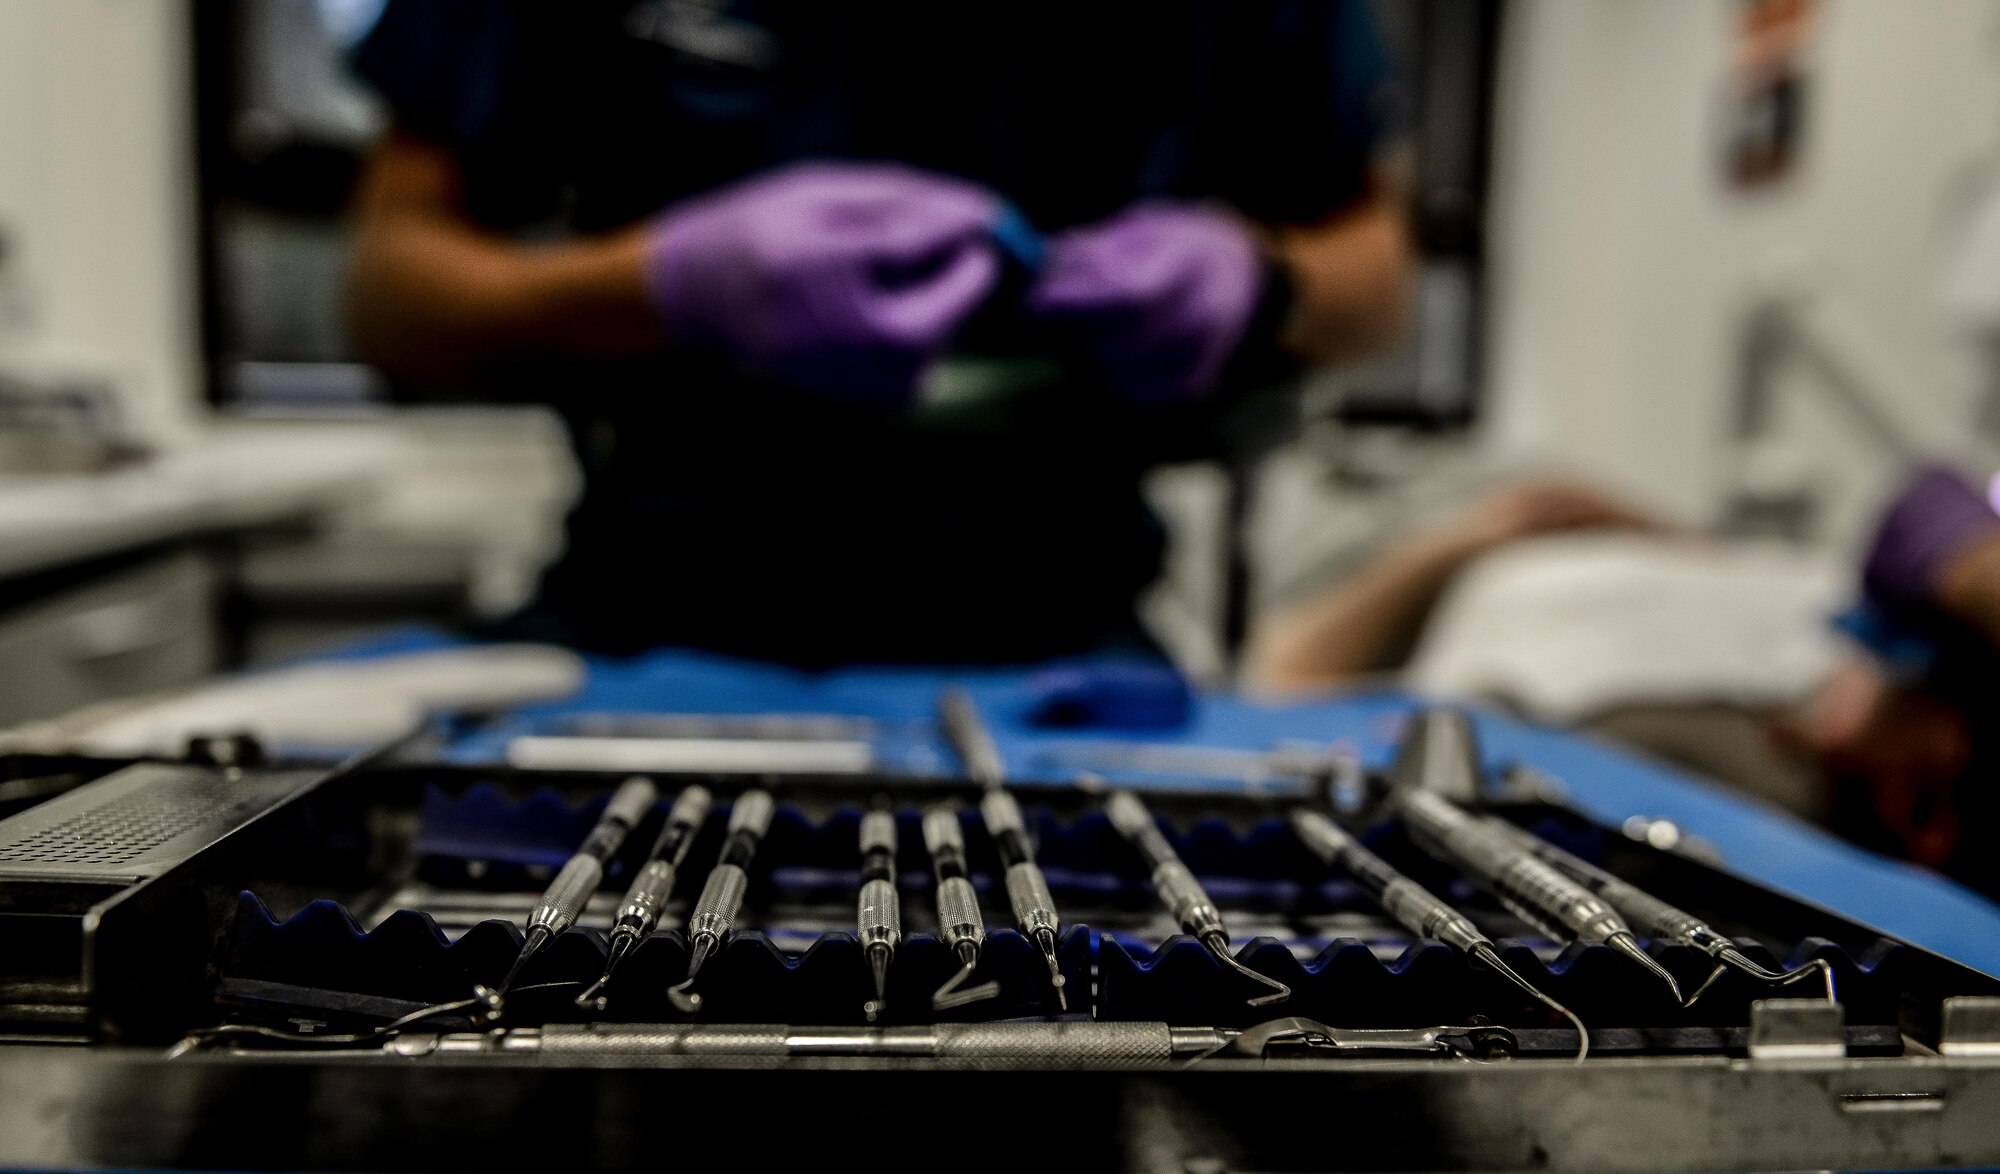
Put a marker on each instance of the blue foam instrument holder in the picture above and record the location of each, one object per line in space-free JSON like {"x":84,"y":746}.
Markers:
{"x":473,"y":832}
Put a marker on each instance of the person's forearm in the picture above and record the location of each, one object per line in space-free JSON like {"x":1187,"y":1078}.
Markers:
{"x":436,"y":304}
{"x":1350,"y":274}
{"x":1353,"y":629}
{"x":1970,"y":588}
{"x":435,"y":301}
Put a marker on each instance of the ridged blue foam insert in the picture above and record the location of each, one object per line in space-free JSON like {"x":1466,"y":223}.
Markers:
{"x":1347,"y":984}
{"x":481,"y":836}
{"x":408,"y":958}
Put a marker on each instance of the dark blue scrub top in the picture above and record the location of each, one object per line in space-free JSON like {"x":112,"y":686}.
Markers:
{"x":746,"y":517}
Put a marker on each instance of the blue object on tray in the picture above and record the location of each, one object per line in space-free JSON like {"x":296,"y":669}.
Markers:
{"x":1119,"y":693}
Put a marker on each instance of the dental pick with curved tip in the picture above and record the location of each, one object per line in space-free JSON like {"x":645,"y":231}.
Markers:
{"x":567,"y":894}
{"x":1182,"y":894}
{"x":1416,"y":908}
{"x":1439,"y":755}
{"x":960,"y":925}
{"x":722,"y":895}
{"x":1530,"y":889}
{"x":1659,"y":920}
{"x":651,"y":887}
{"x":1027,"y":888}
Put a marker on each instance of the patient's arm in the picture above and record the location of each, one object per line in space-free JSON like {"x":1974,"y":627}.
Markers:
{"x":1355,"y":626}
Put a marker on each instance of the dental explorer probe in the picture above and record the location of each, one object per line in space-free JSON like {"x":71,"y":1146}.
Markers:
{"x":722,"y":896}
{"x":654,"y":884}
{"x":879,"y":918}
{"x":1181,"y":893}
{"x":960,"y":925}
{"x":1532,"y":890}
{"x":567,"y":894}
{"x":1439,"y":756}
{"x":1027,"y":889}
{"x":1658,"y":919}
{"x":1417,"y":908}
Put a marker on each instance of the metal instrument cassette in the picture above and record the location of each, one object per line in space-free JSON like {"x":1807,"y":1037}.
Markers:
{"x":244,"y":939}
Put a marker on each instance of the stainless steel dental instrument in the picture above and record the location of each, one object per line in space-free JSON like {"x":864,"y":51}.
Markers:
{"x":879,"y":918}
{"x":1532,"y":890}
{"x":1657,"y":919}
{"x":1417,"y":908}
{"x":654,"y":884}
{"x":1055,"y":1044}
{"x":969,"y":738}
{"x":582,"y":872}
{"x":960,"y":925}
{"x":1181,"y":893}
{"x":1027,"y":889}
{"x":722,"y":895}
{"x":1439,"y":756}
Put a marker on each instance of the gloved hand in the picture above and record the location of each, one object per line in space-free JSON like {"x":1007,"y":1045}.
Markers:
{"x":1159,"y":295}
{"x":1936,"y":517}
{"x":843,"y":279}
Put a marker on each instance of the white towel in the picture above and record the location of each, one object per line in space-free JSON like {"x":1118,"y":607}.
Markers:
{"x":1570,"y":626}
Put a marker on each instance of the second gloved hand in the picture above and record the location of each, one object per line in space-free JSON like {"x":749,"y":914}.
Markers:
{"x":841,"y":279}
{"x":1159,"y":296}
{"x":1937,"y":518}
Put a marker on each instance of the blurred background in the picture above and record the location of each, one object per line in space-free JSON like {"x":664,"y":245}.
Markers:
{"x":1694,"y":287}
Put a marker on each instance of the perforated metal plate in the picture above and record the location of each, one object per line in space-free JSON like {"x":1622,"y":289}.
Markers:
{"x":137,"y":822}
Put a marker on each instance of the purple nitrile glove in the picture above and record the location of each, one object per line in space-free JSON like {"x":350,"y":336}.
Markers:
{"x":1160,"y":295}
{"x":1934,"y":518}
{"x":840,"y":278}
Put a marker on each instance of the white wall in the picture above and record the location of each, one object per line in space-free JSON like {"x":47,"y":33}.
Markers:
{"x":96,"y":193}
{"x":1621,"y":255}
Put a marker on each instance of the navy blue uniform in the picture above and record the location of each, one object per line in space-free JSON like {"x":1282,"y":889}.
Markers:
{"x":748,"y":517}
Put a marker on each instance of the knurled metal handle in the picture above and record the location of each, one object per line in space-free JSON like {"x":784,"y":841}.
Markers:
{"x":941,"y":830}
{"x":1066,"y":1045}
{"x":1414,"y":906}
{"x":1028,"y":892}
{"x":880,"y":919}
{"x":1001,"y":813}
{"x":1521,"y":880}
{"x":751,"y":812}
{"x":649,"y":892}
{"x":1190,"y":903}
{"x":721,"y":897}
{"x":630,"y":803}
{"x":1651,"y":915}
{"x":958,"y":912}
{"x":1530,"y":882}
{"x":1128,"y":815}
{"x":878,"y":832}
{"x":1430,"y":815}
{"x":1645,"y":911}
{"x":691,"y":807}
{"x":568,"y":893}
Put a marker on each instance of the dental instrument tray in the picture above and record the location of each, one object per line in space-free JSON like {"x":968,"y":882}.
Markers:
{"x":212,"y":965}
